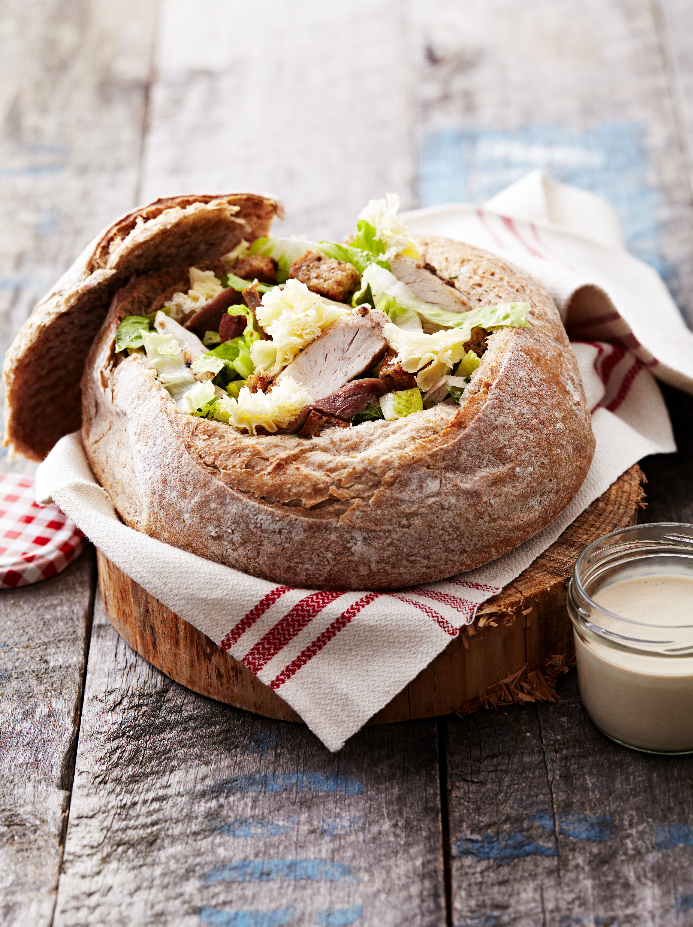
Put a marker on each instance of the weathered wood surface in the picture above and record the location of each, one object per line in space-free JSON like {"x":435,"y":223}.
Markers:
{"x":676,"y":30}
{"x":72,"y":104}
{"x":188,"y":812}
{"x":327,"y":105}
{"x":551,"y":823}
{"x":523,"y":634}
{"x":44,"y":637}
{"x":312,"y":105}
{"x":581,"y":89}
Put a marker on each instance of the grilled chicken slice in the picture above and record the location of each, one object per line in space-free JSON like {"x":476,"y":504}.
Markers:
{"x":350,"y":346}
{"x":191,"y":344}
{"x":426,"y":285}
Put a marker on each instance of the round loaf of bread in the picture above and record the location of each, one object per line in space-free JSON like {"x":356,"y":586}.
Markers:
{"x":379,"y":505}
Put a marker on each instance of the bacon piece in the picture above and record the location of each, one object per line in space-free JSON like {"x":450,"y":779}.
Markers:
{"x":231,"y":326}
{"x":209,"y":317}
{"x":353,"y":398}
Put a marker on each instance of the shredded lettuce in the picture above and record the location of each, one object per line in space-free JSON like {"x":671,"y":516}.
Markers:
{"x":456,"y":392}
{"x":234,"y":388}
{"x":208,"y":363}
{"x":351,"y":254}
{"x":166,"y":356}
{"x":401,"y":403}
{"x":406,"y":319}
{"x":384,"y":284}
{"x":198,"y":400}
{"x":249,"y":317}
{"x":367,"y":239}
{"x":467,"y":365}
{"x":238,"y":283}
{"x":209,"y":339}
{"x":129,"y":333}
{"x":369,"y":414}
{"x":236,"y":354}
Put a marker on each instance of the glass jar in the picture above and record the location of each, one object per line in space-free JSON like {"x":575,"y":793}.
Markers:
{"x":631,"y":604}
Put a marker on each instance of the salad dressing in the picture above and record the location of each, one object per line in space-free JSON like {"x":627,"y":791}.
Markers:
{"x":642,"y":696}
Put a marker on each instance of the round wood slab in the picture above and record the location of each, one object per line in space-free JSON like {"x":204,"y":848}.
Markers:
{"x":520,"y":641}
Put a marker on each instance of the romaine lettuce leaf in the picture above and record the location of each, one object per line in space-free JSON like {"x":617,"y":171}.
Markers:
{"x":406,"y":319}
{"x":129,"y":333}
{"x":384,"y":284}
{"x":198,"y":400}
{"x":369,"y":414}
{"x":467,"y":365}
{"x":351,"y":255}
{"x":208,"y":363}
{"x":236,"y":354}
{"x":166,"y":356}
{"x":366,"y":239}
{"x":238,"y":283}
{"x":401,"y":403}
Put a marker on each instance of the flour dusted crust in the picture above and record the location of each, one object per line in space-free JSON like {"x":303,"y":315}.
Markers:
{"x":43,"y":367}
{"x":381,"y":505}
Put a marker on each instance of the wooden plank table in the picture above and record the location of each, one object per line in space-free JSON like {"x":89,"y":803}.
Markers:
{"x":125,"y":799}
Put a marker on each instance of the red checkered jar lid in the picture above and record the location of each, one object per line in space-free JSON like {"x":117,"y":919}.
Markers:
{"x":36,"y":541}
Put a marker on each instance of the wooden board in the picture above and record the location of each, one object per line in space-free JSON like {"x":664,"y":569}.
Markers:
{"x":72,"y":106}
{"x":44,"y":639}
{"x":520,"y":642}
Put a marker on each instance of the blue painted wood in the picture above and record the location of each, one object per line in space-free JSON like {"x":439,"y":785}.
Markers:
{"x":239,"y":820}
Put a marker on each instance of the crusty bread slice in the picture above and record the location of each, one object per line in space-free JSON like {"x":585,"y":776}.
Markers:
{"x":44,"y":365}
{"x":381,"y":505}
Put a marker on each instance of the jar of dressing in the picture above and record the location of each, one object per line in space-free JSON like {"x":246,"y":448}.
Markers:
{"x":631,"y":603}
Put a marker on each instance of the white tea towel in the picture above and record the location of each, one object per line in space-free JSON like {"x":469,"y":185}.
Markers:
{"x":338,"y":657}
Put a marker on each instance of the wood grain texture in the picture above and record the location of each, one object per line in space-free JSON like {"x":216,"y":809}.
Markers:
{"x":188,"y":812}
{"x":676,"y":31}
{"x":580,"y":89}
{"x":551,"y":823}
{"x":72,"y":107}
{"x":44,"y":636}
{"x":524,"y":632}
{"x":309,"y":104}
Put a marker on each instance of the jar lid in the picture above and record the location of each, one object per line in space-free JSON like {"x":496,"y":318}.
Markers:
{"x":36,"y":541}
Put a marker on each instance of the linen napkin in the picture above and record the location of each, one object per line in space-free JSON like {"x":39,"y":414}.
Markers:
{"x":338,"y":657}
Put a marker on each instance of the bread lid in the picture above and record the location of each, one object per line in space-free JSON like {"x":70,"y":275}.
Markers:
{"x":44,"y":365}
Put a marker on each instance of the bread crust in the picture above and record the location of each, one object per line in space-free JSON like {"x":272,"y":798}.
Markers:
{"x":378,"y":506}
{"x":43,"y":367}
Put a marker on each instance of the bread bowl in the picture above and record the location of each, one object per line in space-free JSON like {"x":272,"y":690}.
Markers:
{"x":380,"y":504}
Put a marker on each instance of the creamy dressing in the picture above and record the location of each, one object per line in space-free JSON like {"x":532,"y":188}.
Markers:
{"x":651,"y":599}
{"x":645,"y":698}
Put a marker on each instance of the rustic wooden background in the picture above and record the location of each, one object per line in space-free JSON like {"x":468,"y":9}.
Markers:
{"x":125,"y":799}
